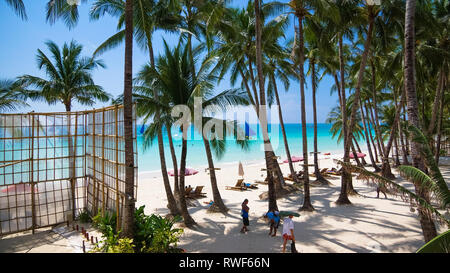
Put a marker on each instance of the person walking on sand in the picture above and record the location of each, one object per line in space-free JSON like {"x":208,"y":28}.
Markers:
{"x":274,"y":221}
{"x":381,"y":188}
{"x":288,"y":233}
{"x":244,"y":214}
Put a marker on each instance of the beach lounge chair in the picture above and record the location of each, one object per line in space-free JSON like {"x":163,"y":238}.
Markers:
{"x":323,"y":172}
{"x":187,"y":191}
{"x":197,"y":192}
{"x":334,"y":171}
{"x":265,"y":182}
{"x":249,"y":186}
{"x":238,"y":187}
{"x":288,"y":178}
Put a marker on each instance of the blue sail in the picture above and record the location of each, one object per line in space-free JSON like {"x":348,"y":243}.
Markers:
{"x":248,"y":131}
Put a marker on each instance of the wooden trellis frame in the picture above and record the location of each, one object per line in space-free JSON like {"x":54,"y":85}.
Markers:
{"x":54,"y":165}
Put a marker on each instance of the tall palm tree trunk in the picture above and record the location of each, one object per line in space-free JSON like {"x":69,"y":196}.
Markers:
{"x":436,"y":110}
{"x":172,"y":205}
{"x":357,"y":160}
{"x":174,"y":163}
{"x":306,"y":191}
{"x":72,"y":155}
{"x":218,"y":202}
{"x":268,"y":150}
{"x":375,"y":128}
{"x":366,"y":136}
{"x":129,"y":200}
{"x":347,"y":145}
{"x":218,"y":205}
{"x":283,"y":131}
{"x":402,"y":143}
{"x":370,"y":128}
{"x":385,"y":168}
{"x":427,"y":224}
{"x":363,"y":161}
{"x":275,"y":169}
{"x":319,"y":178}
{"x":439,"y":132}
{"x":188,"y":220}
{"x":397,"y":157}
{"x":346,"y":176}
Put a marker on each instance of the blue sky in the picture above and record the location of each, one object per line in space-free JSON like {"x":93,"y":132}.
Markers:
{"x":22,"y":39}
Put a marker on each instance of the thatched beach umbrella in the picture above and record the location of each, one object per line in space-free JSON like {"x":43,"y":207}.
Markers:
{"x":240,"y":169}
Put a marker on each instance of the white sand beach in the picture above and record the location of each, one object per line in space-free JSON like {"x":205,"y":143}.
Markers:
{"x":368,"y":225}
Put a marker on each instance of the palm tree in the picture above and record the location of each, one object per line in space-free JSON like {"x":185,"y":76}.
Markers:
{"x":335,"y":117}
{"x":144,"y":96}
{"x":428,"y":227}
{"x":18,"y":7}
{"x":348,"y":17}
{"x":372,"y":13}
{"x":273,"y":170}
{"x":148,"y":106}
{"x":235,"y":47}
{"x":318,"y":48}
{"x":148,"y":17}
{"x":172,"y":76}
{"x":11,"y":96}
{"x":197,"y":19}
{"x":69,"y":77}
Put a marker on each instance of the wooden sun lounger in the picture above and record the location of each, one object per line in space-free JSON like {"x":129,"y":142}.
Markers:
{"x":187,"y":191}
{"x":238,"y":186}
{"x":197,"y":192}
{"x":323,"y":172}
{"x":334,"y":173}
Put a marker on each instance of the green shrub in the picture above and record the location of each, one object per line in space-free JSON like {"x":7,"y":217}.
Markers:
{"x":155,"y":233}
{"x":111,"y":243}
{"x":105,"y":223}
{"x":84,"y":216}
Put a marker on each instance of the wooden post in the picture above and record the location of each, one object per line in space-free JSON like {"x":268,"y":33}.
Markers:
{"x":103,"y":162}
{"x":94,"y":201}
{"x":74,"y":167}
{"x":33,"y":205}
{"x":135,"y":152}
{"x":117,"y":166}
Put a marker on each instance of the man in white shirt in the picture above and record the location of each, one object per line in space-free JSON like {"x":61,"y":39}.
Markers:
{"x":288,"y":231}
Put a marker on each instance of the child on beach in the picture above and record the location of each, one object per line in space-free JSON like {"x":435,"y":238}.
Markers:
{"x":274,"y":221}
{"x":244,"y":214}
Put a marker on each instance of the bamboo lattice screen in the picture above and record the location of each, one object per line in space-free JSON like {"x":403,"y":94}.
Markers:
{"x":55,"y":165}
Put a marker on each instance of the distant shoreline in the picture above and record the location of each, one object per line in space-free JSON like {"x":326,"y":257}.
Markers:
{"x":201,"y":168}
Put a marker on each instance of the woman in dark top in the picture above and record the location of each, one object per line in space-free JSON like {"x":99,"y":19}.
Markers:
{"x":244,"y":213}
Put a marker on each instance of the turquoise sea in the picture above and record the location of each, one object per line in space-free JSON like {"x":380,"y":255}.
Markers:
{"x":148,"y":159}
